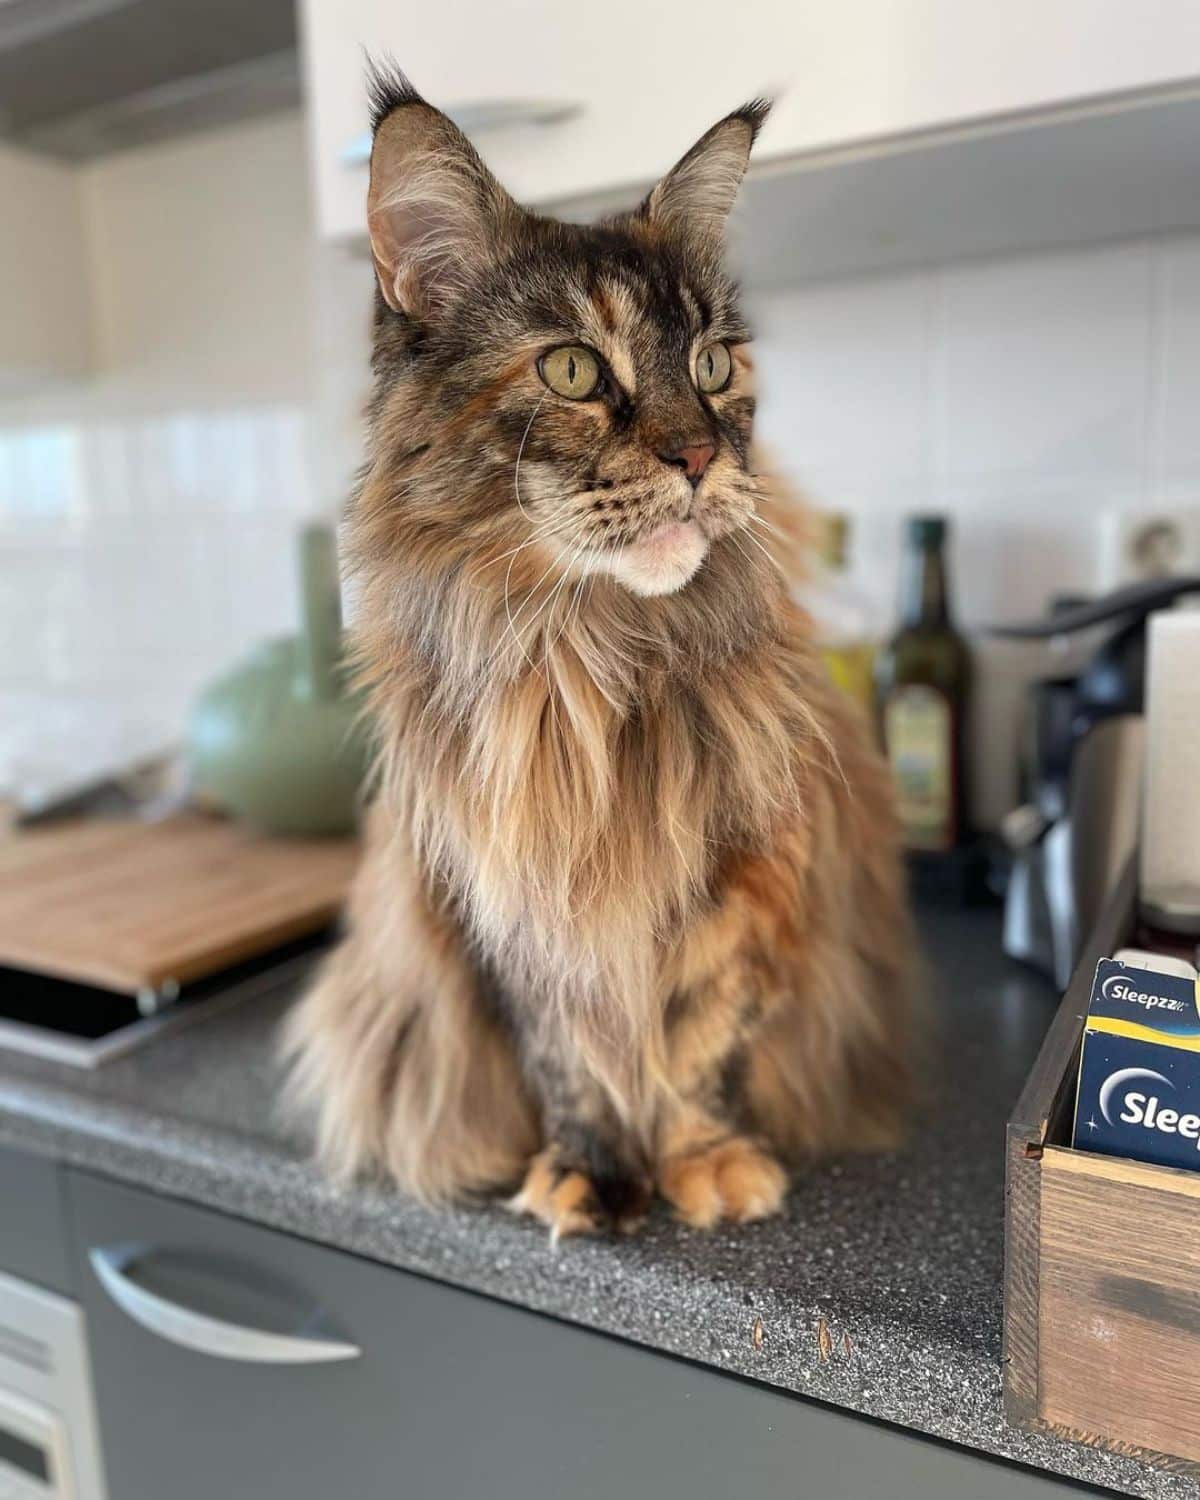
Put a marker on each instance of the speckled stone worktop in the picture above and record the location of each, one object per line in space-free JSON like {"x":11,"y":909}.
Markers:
{"x":879,"y":1290}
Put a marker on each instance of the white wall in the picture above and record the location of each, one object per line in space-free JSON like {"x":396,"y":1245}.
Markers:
{"x":41,"y":227}
{"x":200,"y":268}
{"x":147,"y":512}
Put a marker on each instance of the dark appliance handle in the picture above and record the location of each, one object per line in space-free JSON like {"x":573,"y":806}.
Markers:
{"x":1133,"y":599}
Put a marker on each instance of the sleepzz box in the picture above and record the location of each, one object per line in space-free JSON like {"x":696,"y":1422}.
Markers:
{"x":1139,"y":1073}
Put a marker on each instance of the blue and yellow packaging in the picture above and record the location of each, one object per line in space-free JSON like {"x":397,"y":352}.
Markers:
{"x":1139,"y":1072}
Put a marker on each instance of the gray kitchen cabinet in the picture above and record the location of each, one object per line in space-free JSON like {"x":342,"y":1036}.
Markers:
{"x":33,"y":1241}
{"x":452,"y":1396}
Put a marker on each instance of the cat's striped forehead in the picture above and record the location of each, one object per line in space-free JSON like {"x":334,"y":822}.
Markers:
{"x":645,"y":306}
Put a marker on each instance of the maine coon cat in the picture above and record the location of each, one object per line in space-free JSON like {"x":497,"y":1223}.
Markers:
{"x":630,"y":917}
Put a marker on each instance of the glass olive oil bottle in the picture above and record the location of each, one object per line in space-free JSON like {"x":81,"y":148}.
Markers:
{"x":922,"y":686}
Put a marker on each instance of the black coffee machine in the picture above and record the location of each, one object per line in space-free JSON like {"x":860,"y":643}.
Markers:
{"x":1081,"y":775}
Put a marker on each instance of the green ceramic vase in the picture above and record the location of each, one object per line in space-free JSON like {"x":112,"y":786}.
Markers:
{"x":279,"y":741}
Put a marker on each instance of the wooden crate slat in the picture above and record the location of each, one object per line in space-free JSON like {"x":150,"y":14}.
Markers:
{"x":1120,"y":1305}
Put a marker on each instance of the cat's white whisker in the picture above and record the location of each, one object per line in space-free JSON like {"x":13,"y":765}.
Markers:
{"x":733,"y":541}
{"x":543,"y":535}
{"x":548,"y":644}
{"x":558,"y":588}
{"x":765,"y":524}
{"x":573,"y":607}
{"x":589,"y":579}
{"x":512,"y":621}
{"x":774,"y":561}
{"x":528,"y":625}
{"x":520,"y":452}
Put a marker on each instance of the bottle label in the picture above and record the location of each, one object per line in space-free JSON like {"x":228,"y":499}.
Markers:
{"x":919,"y":731}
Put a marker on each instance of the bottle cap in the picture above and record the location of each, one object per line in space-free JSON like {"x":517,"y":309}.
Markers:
{"x":926,"y":531}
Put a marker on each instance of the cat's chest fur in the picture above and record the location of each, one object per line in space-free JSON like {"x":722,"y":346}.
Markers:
{"x":562,"y":819}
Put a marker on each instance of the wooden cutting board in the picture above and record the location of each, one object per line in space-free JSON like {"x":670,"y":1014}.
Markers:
{"x":126,"y":905}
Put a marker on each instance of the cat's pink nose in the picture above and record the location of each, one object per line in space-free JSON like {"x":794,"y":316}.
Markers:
{"x":692,"y":458}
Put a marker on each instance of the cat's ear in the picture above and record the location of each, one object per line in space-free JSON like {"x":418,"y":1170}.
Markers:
{"x":695,"y":196}
{"x":434,"y":211}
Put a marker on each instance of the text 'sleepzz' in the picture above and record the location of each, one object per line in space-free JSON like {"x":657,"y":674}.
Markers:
{"x":1139,"y":1070}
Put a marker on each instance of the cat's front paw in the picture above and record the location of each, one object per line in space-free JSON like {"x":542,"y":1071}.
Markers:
{"x":733,"y":1180}
{"x":566,"y":1199}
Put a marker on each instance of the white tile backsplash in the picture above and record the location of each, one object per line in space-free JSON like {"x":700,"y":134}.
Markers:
{"x":845,"y":389}
{"x":1022,"y":395}
{"x":1042,"y":370}
{"x":143,"y":557}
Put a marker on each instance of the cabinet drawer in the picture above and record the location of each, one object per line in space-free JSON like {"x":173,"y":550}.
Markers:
{"x":453,"y":1396}
{"x":33,"y":1236}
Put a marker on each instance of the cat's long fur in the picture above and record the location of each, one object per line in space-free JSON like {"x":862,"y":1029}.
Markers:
{"x":631,"y":913}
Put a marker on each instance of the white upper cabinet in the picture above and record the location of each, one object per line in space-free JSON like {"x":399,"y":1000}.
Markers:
{"x":45,"y":331}
{"x":627,"y":85}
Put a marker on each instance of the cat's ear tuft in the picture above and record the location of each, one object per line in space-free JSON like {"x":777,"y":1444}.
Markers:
{"x":388,"y":88}
{"x":696,"y":195}
{"x":434,"y":211}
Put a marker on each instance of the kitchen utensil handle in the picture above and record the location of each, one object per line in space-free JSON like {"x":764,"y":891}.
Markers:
{"x":200,"y":1332}
{"x":481,"y":115}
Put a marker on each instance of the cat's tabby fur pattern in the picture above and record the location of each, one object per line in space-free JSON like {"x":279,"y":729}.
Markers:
{"x":630,"y":916}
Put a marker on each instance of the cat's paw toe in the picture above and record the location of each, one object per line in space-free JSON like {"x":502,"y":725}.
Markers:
{"x":569,"y":1202}
{"x":734,"y":1180}
{"x":568,"y":1208}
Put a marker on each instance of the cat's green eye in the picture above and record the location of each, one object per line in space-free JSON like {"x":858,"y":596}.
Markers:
{"x":713,"y":368}
{"x":571,"y":371}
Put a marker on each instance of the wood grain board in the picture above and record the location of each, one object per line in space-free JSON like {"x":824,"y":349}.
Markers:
{"x":125,"y":905}
{"x":1120,"y":1302}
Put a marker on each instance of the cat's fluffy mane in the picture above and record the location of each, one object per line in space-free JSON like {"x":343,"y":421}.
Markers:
{"x":583,"y":763}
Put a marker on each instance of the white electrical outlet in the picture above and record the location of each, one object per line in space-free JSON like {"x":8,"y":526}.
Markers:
{"x":1135,"y":545}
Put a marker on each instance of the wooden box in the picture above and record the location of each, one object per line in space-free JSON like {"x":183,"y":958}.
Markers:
{"x":1102,"y":1264}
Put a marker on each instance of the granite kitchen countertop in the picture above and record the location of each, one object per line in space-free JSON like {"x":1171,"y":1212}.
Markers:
{"x":879,"y":1290}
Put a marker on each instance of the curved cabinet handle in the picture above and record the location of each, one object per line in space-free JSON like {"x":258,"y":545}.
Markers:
{"x":204,"y":1334}
{"x":483,"y":115}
